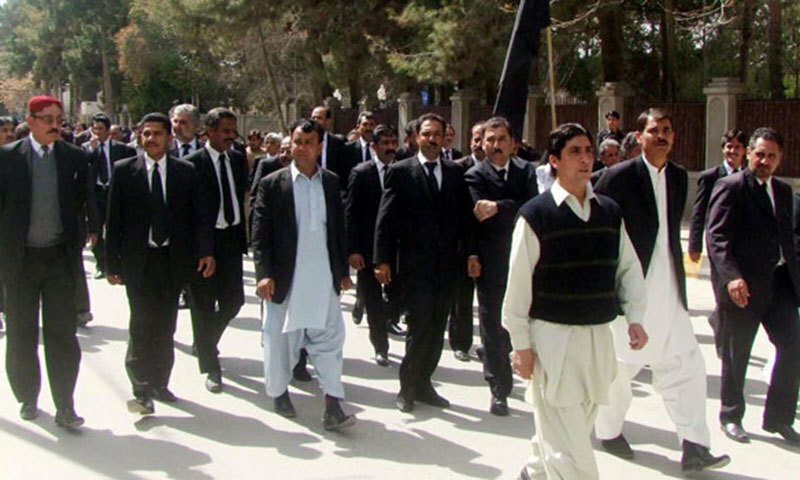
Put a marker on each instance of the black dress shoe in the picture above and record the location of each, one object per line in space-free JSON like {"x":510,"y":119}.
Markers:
{"x":183,"y":300}
{"x":787,"y":432}
{"x":143,"y":405}
{"x":735,"y":432}
{"x":335,"y":418}
{"x":618,"y":447}
{"x":382,"y":359}
{"x":499,"y":407}
{"x":404,"y":403}
{"x":358,"y":312}
{"x":283,"y":406}
{"x":162,"y":394}
{"x":99,"y":275}
{"x":461,"y":355}
{"x":29,"y":411}
{"x":301,"y":374}
{"x":67,"y":418}
{"x":395,"y":329}
{"x":214,"y":382}
{"x":697,"y":458}
{"x":432,"y":398}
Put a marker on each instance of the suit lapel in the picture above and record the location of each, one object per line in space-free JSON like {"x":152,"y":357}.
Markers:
{"x":65,"y":177}
{"x":287,"y":192}
{"x":646,"y":186}
{"x":419,"y":173}
{"x":759,"y":198}
{"x":25,"y":151}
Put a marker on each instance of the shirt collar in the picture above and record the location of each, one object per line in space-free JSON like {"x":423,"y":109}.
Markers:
{"x":38,"y":146}
{"x":653,"y":170}
{"x":192,"y":143}
{"x":560,"y":194}
{"x":213,"y":152}
{"x":768,"y":181}
{"x":504,"y":167}
{"x":296,"y":173}
{"x":727,"y":166}
{"x":423,"y":160}
{"x":149,"y":162}
{"x":362,"y":142}
{"x":378,"y":163}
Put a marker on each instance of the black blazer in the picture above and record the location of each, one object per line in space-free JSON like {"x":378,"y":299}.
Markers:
{"x":275,"y":231}
{"x":204,"y":166}
{"x":118,"y":151}
{"x":705,"y":185}
{"x":361,"y":209}
{"x":265,"y":166}
{"x":493,"y":236}
{"x":465,"y":162}
{"x":628,"y":183}
{"x":15,"y":203}
{"x":420,"y":228}
{"x":455,"y":154}
{"x":745,"y":238}
{"x":128,"y":221}
{"x":338,"y":159}
{"x":404,"y":152}
{"x":175,"y":152}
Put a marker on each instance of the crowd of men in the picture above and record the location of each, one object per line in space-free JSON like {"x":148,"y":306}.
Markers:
{"x":577,"y":263}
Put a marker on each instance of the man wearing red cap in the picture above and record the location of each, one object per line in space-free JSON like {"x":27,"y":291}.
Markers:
{"x":43,"y":190}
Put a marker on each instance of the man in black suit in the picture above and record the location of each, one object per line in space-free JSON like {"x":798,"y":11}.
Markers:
{"x":448,"y":152}
{"x":476,"y":147}
{"x":334,"y":156}
{"x":608,"y":156}
{"x":651,"y":191}
{"x":185,"y":120}
{"x":216,"y":300}
{"x":43,"y":191}
{"x":425,"y":211}
{"x":612,"y":129}
{"x":360,"y":149}
{"x":266,"y":166}
{"x":756,"y":280}
{"x":6,"y":136}
{"x":158,"y":226}
{"x":498,"y":186}
{"x":410,"y":147}
{"x":104,"y":153}
{"x":733,"y":150}
{"x":363,"y":199}
{"x":298,"y":242}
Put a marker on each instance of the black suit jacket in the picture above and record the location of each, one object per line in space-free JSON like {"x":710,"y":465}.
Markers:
{"x":705,"y":185}
{"x":361,"y":209}
{"x":338,"y":159}
{"x":745,"y":238}
{"x":265,"y":166}
{"x":404,"y":152}
{"x":174,"y":151}
{"x":118,"y":151}
{"x":493,"y":236}
{"x":465,"y":162}
{"x":628,"y":183}
{"x":420,"y":228}
{"x":204,"y":166}
{"x":455,"y":154}
{"x":15,"y":203}
{"x":275,"y":231}
{"x":128,"y":221}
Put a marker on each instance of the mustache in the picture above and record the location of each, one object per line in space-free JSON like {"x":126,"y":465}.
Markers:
{"x":390,"y":152}
{"x":496,"y":150}
{"x":662,"y":142}
{"x":53,"y":130}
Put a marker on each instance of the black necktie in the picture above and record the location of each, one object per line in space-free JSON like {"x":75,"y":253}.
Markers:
{"x":762,"y":192}
{"x":45,"y":150}
{"x":186,"y":148}
{"x":159,"y":223}
{"x":502,"y":174}
{"x":431,"y":177}
{"x":227,"y":202}
{"x":103,"y":165}
{"x":367,"y":155}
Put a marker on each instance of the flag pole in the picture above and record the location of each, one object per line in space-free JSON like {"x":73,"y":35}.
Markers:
{"x":552,"y":76}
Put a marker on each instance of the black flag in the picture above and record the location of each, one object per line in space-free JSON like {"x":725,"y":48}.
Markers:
{"x":512,"y":97}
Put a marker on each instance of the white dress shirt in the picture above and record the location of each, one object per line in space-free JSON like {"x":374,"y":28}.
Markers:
{"x":437,"y":171}
{"x":237,"y":217}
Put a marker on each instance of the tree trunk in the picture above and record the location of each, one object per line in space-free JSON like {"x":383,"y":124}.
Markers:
{"x":775,"y":49}
{"x":611,"y":42}
{"x":108,"y":91}
{"x":320,"y":86}
{"x":668,"y":56}
{"x":275,"y":98}
{"x":746,"y":17}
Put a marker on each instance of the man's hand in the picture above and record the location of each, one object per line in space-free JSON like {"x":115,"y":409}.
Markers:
{"x":637,"y":335}
{"x":206,"y":266}
{"x":694,"y":256}
{"x":114,"y":279}
{"x":346,"y":284}
{"x":383,"y":273}
{"x":473,"y":266}
{"x":522,"y":362}
{"x":739,"y":292}
{"x":266,"y":288}
{"x":91,"y":239}
{"x":485,"y":209}
{"x":356,"y":260}
{"x":93,"y":142}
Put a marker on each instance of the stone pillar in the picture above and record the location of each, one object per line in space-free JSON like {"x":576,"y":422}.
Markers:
{"x":291,"y":111}
{"x":460,"y":117}
{"x":405,"y":113}
{"x":529,"y":128}
{"x":721,"y":96}
{"x":611,"y":96}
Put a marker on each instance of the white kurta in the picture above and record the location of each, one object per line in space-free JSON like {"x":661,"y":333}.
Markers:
{"x":310,"y":317}
{"x":574,"y":364}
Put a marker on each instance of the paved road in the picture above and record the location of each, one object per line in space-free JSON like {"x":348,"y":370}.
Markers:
{"x":235,"y":435}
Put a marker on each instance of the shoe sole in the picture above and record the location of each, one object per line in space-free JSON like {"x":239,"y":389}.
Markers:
{"x":744,"y":439}
{"x":71,"y":425}
{"x":348,"y":422}
{"x":714,"y":466}
{"x":286,"y":413}
{"x":624,"y":456}
{"x":136,"y":407}
{"x":29,"y":418}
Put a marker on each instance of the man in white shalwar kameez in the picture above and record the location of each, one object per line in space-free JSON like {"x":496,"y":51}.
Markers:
{"x":652,"y":193}
{"x":298,"y":232}
{"x":572,"y":267}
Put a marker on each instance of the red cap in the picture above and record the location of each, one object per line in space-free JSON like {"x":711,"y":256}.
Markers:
{"x":37,"y":104}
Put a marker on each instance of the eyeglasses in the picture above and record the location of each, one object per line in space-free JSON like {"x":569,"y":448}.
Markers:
{"x":49,"y":119}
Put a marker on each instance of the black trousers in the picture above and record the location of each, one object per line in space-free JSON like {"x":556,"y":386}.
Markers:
{"x":461,"y":324}
{"x":46,"y":279}
{"x":154,"y":312}
{"x":99,"y":249}
{"x":2,"y":298}
{"x":738,"y":328}
{"x":377,"y":310}
{"x":428,"y":306}
{"x":82,"y":302}
{"x":496,"y":341}
{"x":217,"y":300}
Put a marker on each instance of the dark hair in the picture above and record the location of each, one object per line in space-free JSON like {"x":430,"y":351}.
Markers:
{"x":495,"y":122}
{"x":433,"y":117}
{"x":450,"y":126}
{"x":83,"y":125}
{"x":383,"y":131}
{"x":629,"y":142}
{"x":254,"y":133}
{"x":307,"y":126}
{"x":365,"y":114}
{"x":214,"y":116}
{"x":157,"y":117}
{"x":613,"y":113}
{"x":766,"y":133}
{"x":654,"y":113}
{"x":5,"y":120}
{"x":739,"y":135}
{"x":102,"y":118}
{"x":411,"y":127}
{"x":559,"y":137}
